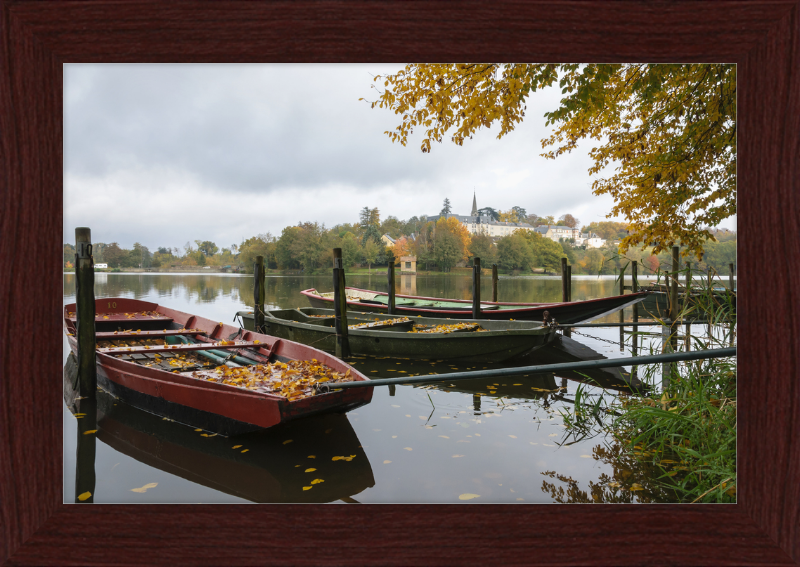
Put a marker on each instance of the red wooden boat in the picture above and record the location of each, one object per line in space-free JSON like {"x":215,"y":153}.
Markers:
{"x":177,"y":380}
{"x":412,"y":305}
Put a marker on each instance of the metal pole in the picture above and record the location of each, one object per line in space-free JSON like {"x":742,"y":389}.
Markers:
{"x":522,"y":370}
{"x":85,"y":312}
{"x":476,"y":288}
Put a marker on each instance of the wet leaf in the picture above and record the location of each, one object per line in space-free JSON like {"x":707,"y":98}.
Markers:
{"x":468,"y":496}
{"x":85,"y":496}
{"x":317,"y":481}
{"x":312,"y":456}
{"x":90,"y":431}
{"x":512,"y":436}
{"x":444,"y":436}
{"x":198,"y":429}
{"x":386,"y":462}
{"x":310,"y":470}
{"x":245,"y":451}
{"x":306,"y":488}
{"x":145,"y":488}
{"x":457,"y":456}
{"x":235,"y":446}
{"x":288,"y":441}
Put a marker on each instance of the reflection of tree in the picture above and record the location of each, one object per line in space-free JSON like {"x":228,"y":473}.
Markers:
{"x":630,"y":477}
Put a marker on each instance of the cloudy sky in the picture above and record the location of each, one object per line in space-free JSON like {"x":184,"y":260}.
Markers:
{"x":165,"y":154}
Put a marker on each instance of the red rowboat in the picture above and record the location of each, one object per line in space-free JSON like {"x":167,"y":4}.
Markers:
{"x":207,"y":374}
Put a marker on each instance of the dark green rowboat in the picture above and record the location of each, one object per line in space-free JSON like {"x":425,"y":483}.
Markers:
{"x":497,"y":341}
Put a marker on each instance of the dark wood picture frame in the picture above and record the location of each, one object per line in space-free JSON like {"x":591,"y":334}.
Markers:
{"x":38,"y":37}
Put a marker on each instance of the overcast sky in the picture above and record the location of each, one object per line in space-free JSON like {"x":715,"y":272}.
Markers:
{"x":165,"y":154}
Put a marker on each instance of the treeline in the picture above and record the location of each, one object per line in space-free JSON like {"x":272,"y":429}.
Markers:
{"x":438,"y":246}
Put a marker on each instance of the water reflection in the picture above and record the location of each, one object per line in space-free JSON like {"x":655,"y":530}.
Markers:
{"x":318,"y":459}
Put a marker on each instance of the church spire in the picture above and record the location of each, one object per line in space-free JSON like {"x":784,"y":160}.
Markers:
{"x":474,"y":212}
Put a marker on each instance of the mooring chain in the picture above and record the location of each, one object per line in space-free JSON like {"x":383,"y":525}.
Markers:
{"x":615,"y":343}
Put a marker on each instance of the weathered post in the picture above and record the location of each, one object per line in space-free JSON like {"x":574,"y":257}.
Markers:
{"x":340,"y":306}
{"x":85,"y":312}
{"x":390,"y":279}
{"x":564,"y":293}
{"x":730,"y":277}
{"x":622,"y":292}
{"x":673,"y":295}
{"x":85,"y":475}
{"x":259,"y":293}
{"x":476,"y":288}
{"x":494,"y":282}
{"x":635,"y":289}
{"x":569,"y":283}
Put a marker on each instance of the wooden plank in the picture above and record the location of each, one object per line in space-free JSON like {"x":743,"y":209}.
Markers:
{"x":177,"y":348}
{"x":146,"y":334}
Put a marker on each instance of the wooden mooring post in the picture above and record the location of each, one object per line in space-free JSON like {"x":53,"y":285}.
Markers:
{"x":390,"y":282}
{"x":85,"y":312}
{"x":730,"y":277}
{"x":622,"y":292}
{"x":564,"y":292}
{"x":259,"y":293}
{"x":340,"y":305}
{"x":673,"y":290}
{"x":476,"y":288}
{"x":634,"y":289}
{"x":569,"y":282}
{"x":494,"y":282}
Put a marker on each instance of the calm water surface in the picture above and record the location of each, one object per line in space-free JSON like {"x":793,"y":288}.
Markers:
{"x":449,"y":443}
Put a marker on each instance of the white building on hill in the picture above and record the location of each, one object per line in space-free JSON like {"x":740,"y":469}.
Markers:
{"x":477,"y":224}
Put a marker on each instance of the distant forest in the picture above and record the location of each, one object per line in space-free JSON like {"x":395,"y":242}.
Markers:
{"x":438,"y":246}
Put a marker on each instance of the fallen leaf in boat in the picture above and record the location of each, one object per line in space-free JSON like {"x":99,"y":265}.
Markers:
{"x":317,"y":481}
{"x":90,"y":431}
{"x":79,"y":414}
{"x":288,"y":441}
{"x":245,"y":451}
{"x":145,"y":487}
{"x":84,"y":496}
{"x":468,"y":496}
{"x":235,"y":446}
{"x":312,"y":456}
{"x":310,"y":470}
{"x":306,"y":488}
{"x":198,"y":429}
{"x":386,"y":462}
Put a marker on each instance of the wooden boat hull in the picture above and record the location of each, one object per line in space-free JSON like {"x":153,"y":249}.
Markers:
{"x":417,"y":306}
{"x":502,"y":340}
{"x":224,"y":409}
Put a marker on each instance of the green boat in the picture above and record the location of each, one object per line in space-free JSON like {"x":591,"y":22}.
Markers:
{"x":375,"y":334}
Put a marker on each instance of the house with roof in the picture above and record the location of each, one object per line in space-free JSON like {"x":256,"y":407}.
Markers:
{"x":558,"y":232}
{"x":482,"y":224}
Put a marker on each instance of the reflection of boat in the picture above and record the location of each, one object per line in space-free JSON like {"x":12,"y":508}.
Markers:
{"x":263,"y":469}
{"x":401,"y":337}
{"x":158,"y":378}
{"x":568,"y":312}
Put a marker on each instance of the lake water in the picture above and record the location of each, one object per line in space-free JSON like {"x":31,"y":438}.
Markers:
{"x":455,"y":442}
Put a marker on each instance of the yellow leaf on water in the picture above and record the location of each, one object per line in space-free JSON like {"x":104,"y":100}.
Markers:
{"x":198,"y":429}
{"x":306,"y":488}
{"x":245,"y":451}
{"x":310,"y":470}
{"x":407,"y":448}
{"x":457,"y":456}
{"x":444,"y":436}
{"x":145,"y":487}
{"x":317,"y":481}
{"x":288,"y":441}
{"x":513,"y":436}
{"x":468,"y":496}
{"x":312,"y":456}
{"x":386,"y":462}
{"x":84,"y":496}
{"x":235,"y":446}
{"x":90,"y":431}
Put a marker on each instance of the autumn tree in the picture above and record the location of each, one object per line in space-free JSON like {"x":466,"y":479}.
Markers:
{"x":115,"y":255}
{"x":514,"y":253}
{"x":402,"y":247}
{"x":370,"y":251}
{"x":261,"y":245}
{"x":668,"y":130}
{"x":607,"y":230}
{"x":351,"y":250}
{"x":482,"y":246}
{"x":450,"y":242}
{"x":569,"y":220}
{"x":206,"y":247}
